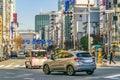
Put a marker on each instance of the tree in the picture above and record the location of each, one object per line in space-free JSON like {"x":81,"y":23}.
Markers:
{"x":18,"y":41}
{"x":84,"y":42}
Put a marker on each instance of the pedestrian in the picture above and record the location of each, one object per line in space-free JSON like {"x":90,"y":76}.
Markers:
{"x":93,"y":53}
{"x":112,"y":55}
{"x":52,"y":54}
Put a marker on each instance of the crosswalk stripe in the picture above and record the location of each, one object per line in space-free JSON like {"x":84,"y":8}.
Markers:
{"x":2,"y":65}
{"x":12,"y":65}
{"x":16,"y":66}
{"x":22,"y":66}
{"x":9,"y":65}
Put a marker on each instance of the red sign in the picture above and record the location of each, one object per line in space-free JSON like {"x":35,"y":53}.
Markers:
{"x":15,"y":17}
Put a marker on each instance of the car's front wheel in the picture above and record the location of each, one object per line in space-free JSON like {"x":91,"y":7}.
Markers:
{"x":70,"y":71}
{"x":90,"y":72}
{"x":46,"y":69}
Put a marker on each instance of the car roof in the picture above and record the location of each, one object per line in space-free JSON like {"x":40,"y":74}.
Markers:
{"x":81,"y":52}
{"x":38,"y":50}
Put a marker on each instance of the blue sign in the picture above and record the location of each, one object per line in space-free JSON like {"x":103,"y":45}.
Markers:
{"x":72,"y":2}
{"x":67,"y":6}
{"x":28,"y":41}
{"x":23,"y":41}
{"x":33,"y":41}
{"x":49,"y":41}
{"x":38,"y":41}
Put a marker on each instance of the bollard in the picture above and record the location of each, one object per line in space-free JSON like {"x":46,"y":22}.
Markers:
{"x":99,"y":56}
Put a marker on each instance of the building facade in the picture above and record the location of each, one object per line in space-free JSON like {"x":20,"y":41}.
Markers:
{"x":42,"y":20}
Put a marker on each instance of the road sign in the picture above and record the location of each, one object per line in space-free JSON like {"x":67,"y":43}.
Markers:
{"x":67,"y":6}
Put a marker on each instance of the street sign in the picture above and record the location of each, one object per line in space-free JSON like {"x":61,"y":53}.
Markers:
{"x":67,"y":6}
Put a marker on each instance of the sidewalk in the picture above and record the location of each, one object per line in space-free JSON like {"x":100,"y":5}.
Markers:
{"x":117,"y":53}
{"x":109,"y":65}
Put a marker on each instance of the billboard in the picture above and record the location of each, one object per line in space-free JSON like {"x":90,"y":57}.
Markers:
{"x":85,"y":2}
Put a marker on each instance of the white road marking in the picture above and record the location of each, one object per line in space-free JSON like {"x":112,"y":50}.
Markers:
{"x":8,"y":77}
{"x":22,"y":66}
{"x":117,"y":76}
{"x":17,"y":66}
{"x":93,"y":77}
{"x":29,"y":78}
{"x":9,"y":73}
{"x":2,"y":65}
{"x":9,"y":65}
{"x":28,"y":74}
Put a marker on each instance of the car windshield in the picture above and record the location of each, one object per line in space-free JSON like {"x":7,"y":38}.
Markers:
{"x":83,"y":54}
{"x":39,"y":53}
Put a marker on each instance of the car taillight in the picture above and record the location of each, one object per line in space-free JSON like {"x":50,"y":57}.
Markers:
{"x":93,"y":58}
{"x":46,"y":56}
{"x":33,"y":56}
{"x":78,"y":59}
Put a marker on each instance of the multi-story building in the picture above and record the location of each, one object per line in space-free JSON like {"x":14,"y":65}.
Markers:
{"x":6,"y":13}
{"x":55,"y":29}
{"x":28,"y":35}
{"x":42,"y":20}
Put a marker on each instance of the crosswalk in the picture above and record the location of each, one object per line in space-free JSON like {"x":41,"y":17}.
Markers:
{"x":12,"y":66}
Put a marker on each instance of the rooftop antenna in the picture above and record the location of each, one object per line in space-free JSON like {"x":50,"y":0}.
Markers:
{"x":41,"y":10}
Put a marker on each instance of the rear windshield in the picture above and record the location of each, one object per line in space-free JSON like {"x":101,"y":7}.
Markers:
{"x":83,"y":55}
{"x":39,"y":53}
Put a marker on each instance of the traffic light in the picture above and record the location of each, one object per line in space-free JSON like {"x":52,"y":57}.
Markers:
{"x":109,"y":4}
{"x":115,"y":18}
{"x":103,"y":2}
{"x":114,"y":1}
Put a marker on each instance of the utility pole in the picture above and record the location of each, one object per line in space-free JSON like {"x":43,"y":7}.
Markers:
{"x":89,"y":41}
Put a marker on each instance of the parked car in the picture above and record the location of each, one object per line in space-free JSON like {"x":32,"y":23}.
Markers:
{"x":36,"y":58}
{"x":70,"y":62}
{"x":21,"y":52}
{"x":14,"y":54}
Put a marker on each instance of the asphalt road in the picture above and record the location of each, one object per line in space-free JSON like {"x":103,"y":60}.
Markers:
{"x":14,"y":69}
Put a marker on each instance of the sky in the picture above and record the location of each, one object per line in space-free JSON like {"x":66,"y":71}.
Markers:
{"x":27,"y":9}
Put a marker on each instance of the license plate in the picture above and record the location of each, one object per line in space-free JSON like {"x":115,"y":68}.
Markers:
{"x":88,"y":61}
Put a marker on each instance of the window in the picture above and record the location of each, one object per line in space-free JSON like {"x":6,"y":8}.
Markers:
{"x":39,"y":53}
{"x":58,"y":56}
{"x":66,"y":55}
{"x":83,"y":55}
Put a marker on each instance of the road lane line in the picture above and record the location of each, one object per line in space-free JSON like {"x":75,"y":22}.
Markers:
{"x":29,"y":78}
{"x":113,"y":76}
{"x":28,"y":74}
{"x":9,"y":73}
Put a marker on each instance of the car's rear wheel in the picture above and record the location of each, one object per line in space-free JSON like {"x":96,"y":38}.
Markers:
{"x":90,"y":72}
{"x":46,"y":69}
{"x":70,"y":71}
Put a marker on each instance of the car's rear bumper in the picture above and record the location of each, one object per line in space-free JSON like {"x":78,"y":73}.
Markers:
{"x":85,"y":68}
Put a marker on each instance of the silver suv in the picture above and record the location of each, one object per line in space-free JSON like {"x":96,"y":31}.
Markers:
{"x":70,"y":62}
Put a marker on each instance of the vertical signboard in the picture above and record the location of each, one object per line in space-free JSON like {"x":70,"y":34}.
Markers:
{"x":15,"y":17}
{"x":1,"y":29}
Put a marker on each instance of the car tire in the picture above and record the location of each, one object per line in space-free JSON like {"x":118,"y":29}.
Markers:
{"x":46,"y":69}
{"x":70,"y":71}
{"x":90,"y":72}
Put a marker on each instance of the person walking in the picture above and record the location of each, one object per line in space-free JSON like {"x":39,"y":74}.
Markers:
{"x":112,"y":55}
